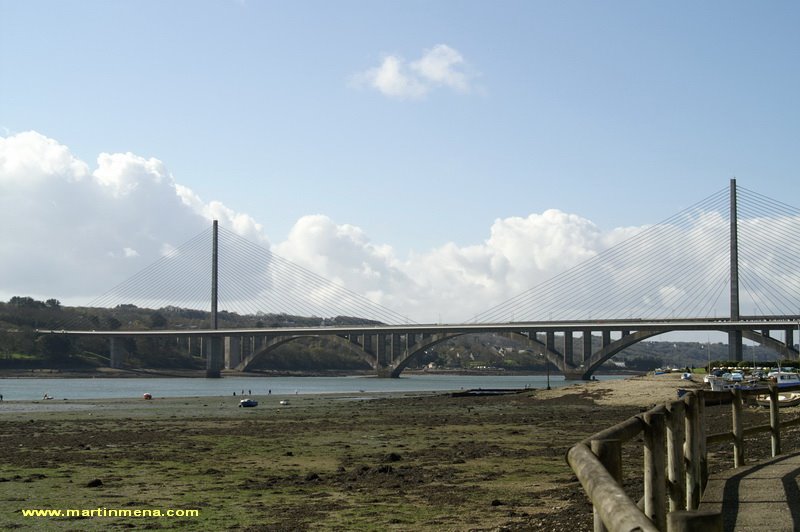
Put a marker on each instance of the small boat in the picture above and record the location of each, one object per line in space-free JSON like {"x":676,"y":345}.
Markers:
{"x":782,"y":379}
{"x":718,"y":384}
{"x":784,"y":399}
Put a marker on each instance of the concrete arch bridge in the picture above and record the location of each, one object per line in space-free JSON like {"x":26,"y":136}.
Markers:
{"x":577,"y":349}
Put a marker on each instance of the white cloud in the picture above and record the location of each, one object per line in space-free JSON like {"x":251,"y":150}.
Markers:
{"x":122,"y":173}
{"x":81,"y":231}
{"x":393,"y":79}
{"x":448,"y":283}
{"x":28,"y":158}
{"x":78,"y":232}
{"x":242,"y":224}
{"x":441,"y":66}
{"x":343,"y":254}
{"x":519,"y":253}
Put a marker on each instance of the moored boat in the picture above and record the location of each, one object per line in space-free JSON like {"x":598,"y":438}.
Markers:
{"x":718,"y":384}
{"x":782,"y":379}
{"x":784,"y":399}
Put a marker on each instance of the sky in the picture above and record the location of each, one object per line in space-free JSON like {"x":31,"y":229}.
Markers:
{"x":415,"y":148}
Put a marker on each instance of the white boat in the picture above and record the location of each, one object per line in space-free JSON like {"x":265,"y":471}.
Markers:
{"x":784,"y":379}
{"x":719,"y":384}
{"x":784,"y":399}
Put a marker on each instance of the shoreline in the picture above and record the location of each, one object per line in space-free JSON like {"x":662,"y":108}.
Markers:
{"x":637,"y":391}
{"x":139,"y":404}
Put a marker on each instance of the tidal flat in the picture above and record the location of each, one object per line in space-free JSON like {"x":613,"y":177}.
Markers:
{"x":417,"y":461}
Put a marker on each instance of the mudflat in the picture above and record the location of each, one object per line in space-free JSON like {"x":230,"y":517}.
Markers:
{"x":320,"y":462}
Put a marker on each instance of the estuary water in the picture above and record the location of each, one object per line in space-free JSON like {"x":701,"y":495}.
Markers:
{"x":24,"y":389}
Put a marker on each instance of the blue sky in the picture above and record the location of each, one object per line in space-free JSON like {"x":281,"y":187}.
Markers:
{"x":621,"y":113}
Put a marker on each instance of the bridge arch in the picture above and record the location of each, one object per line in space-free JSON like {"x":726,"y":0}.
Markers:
{"x":551,"y":356}
{"x":782,"y":348}
{"x":605,"y":353}
{"x":274,"y":342}
{"x":427,"y":342}
{"x":418,"y":348}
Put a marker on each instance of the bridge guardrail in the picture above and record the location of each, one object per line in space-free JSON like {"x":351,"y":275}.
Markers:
{"x":675,"y":469}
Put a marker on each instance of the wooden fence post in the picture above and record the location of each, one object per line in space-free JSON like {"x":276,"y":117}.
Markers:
{"x":655,"y":484}
{"x":676,"y":472}
{"x":619,"y":512}
{"x":691,"y":450}
{"x":609,"y":452}
{"x":738,"y":430}
{"x":702,"y":452}
{"x":774,"y":420}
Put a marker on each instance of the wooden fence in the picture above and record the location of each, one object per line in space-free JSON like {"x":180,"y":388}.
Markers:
{"x":675,"y":467}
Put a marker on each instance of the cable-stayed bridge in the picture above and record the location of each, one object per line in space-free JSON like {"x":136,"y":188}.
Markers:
{"x":727,"y":263}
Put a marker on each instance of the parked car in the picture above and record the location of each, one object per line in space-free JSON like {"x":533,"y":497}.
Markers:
{"x":248,"y":403}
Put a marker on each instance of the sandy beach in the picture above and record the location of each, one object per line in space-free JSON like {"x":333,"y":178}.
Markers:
{"x":640,"y":391}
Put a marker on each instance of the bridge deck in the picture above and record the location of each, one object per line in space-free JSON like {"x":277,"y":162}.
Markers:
{"x":763,"y":496}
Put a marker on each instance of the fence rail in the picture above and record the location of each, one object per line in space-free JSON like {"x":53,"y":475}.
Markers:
{"x":675,"y":466}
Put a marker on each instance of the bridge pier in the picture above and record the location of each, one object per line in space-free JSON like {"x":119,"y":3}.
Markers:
{"x":396,"y":352}
{"x":576,"y":375}
{"x":735,"y":351}
{"x":586,"y":353}
{"x":550,"y":341}
{"x":215,"y":357}
{"x":384,"y":372}
{"x":233,"y":351}
{"x":569,"y":355}
{"x":366,"y":344}
{"x":115,"y":354}
{"x":380,"y":351}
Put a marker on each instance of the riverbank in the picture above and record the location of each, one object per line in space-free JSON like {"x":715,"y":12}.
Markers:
{"x":402,"y":461}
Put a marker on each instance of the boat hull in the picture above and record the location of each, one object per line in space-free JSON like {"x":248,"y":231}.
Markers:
{"x":785,"y":399}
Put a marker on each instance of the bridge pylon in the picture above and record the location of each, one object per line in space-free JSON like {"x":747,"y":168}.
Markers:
{"x":214,"y":361}
{"x":734,"y":337}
